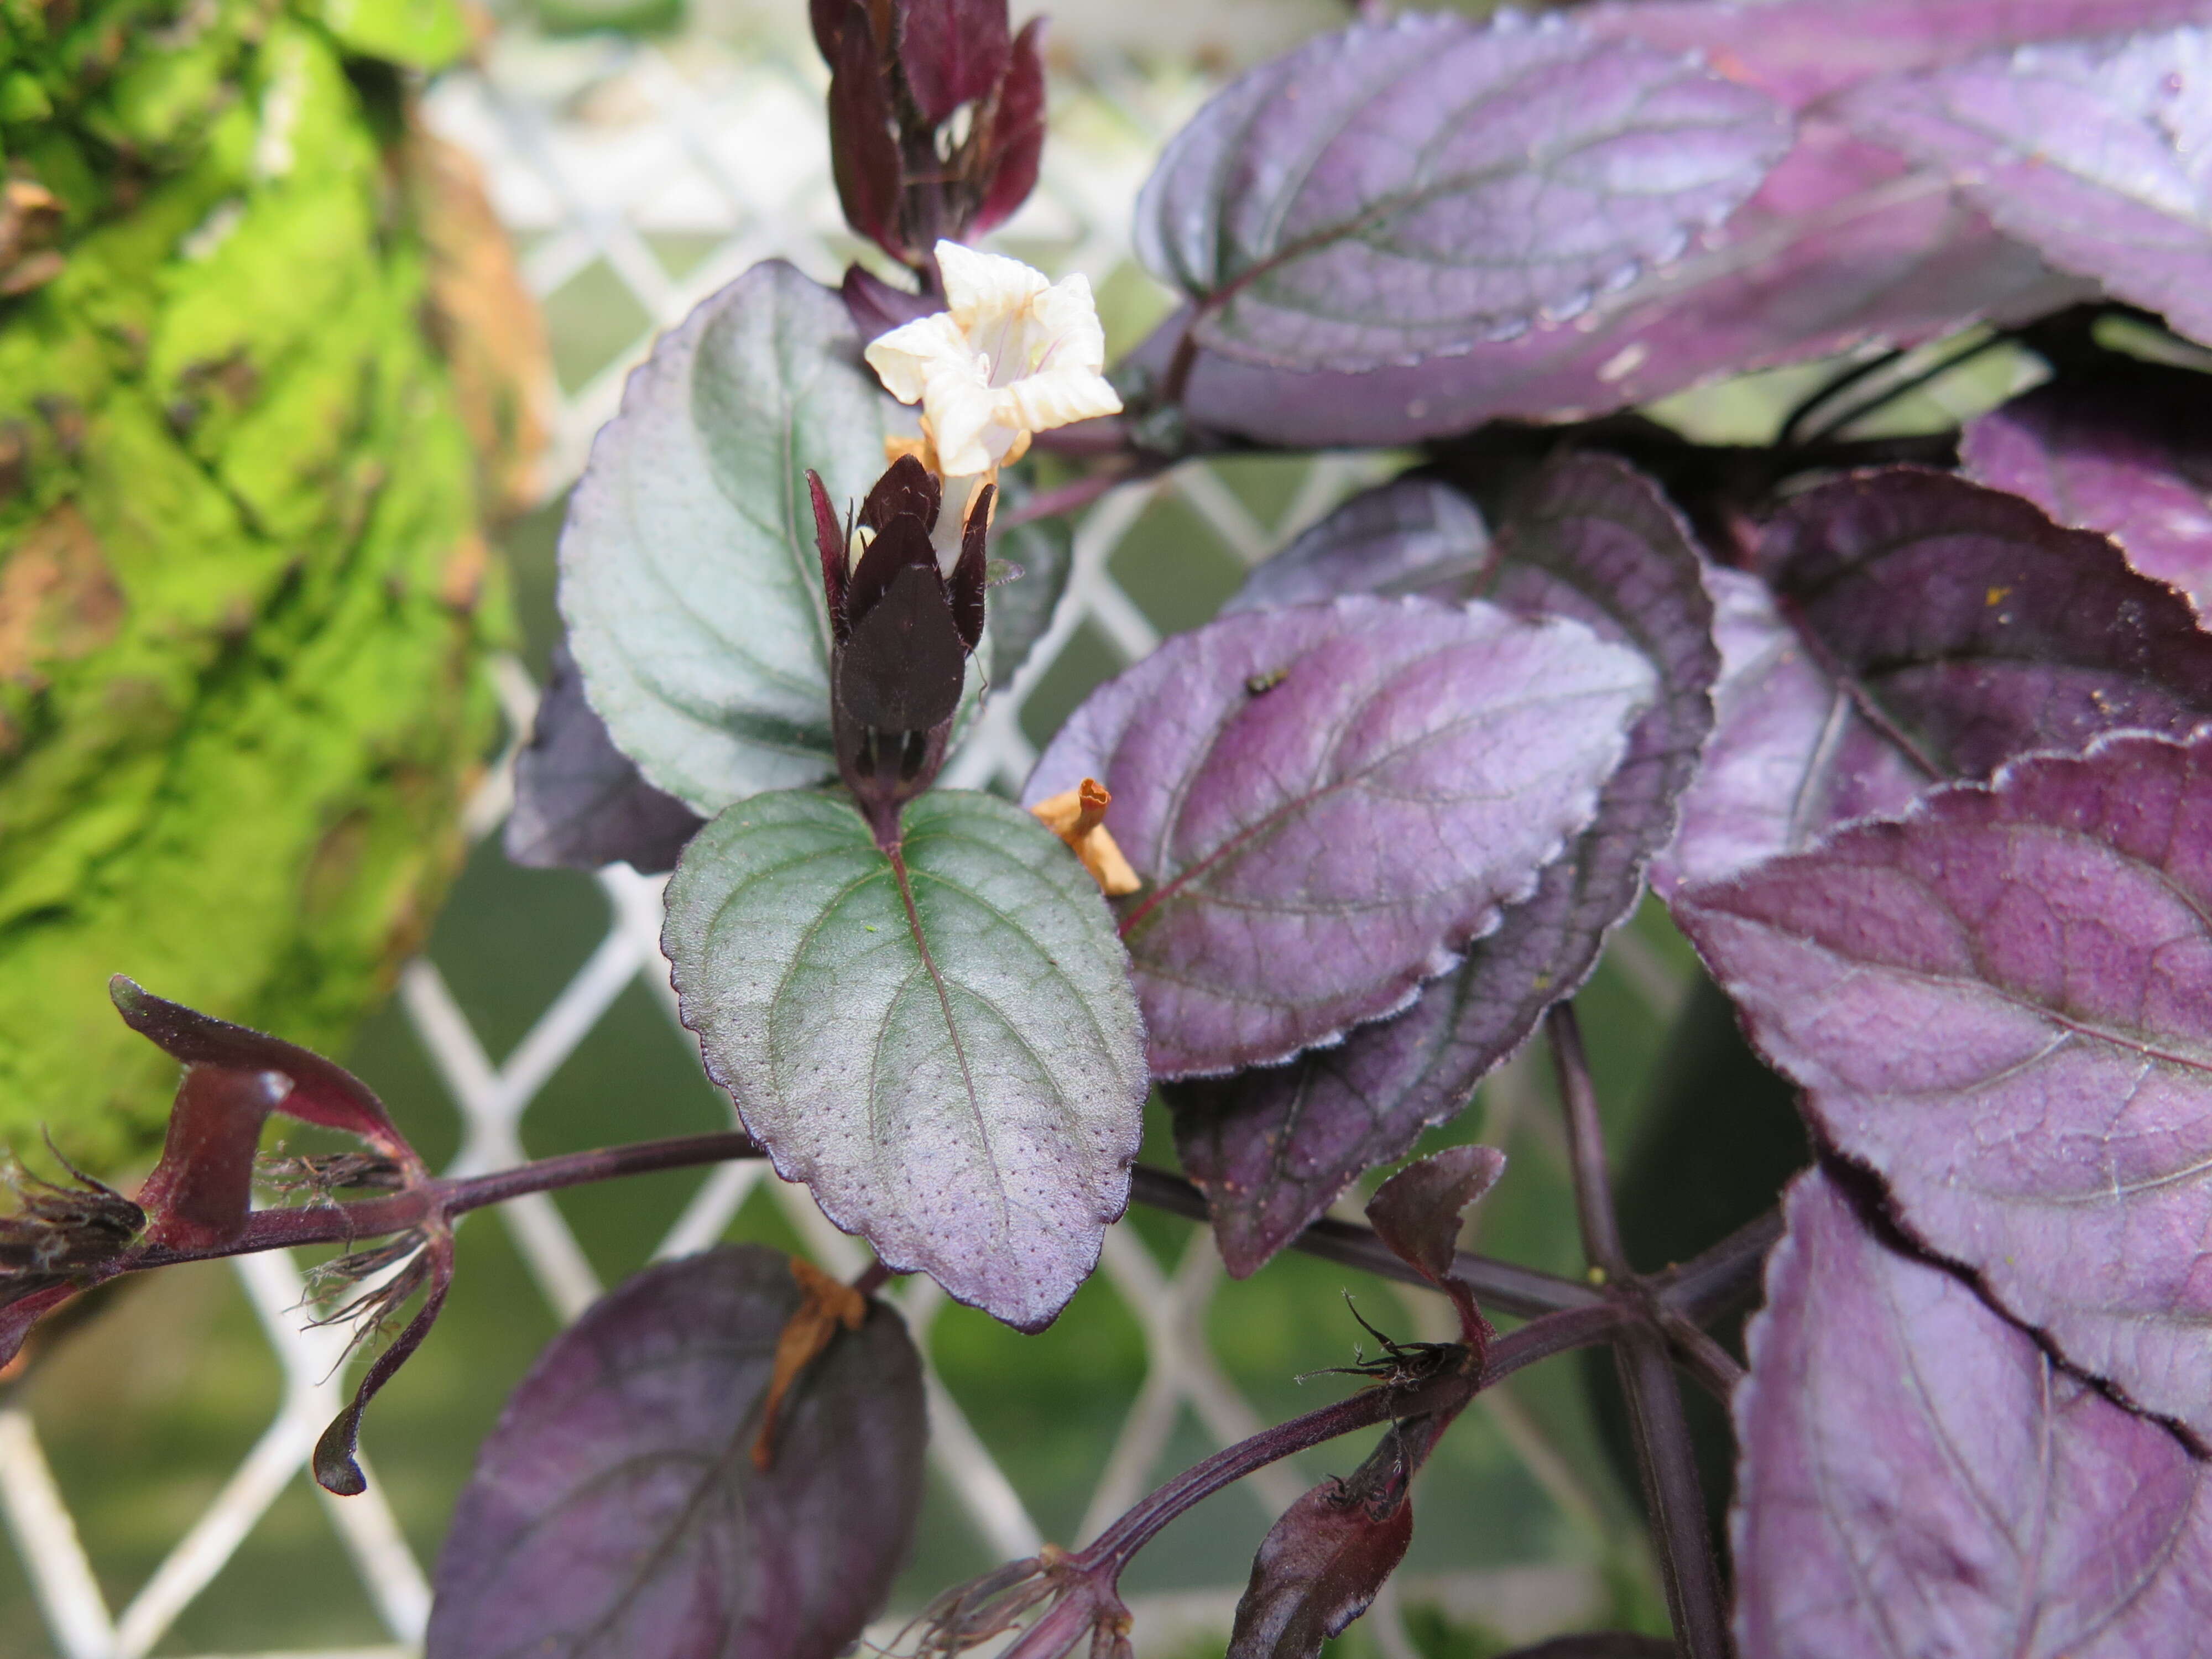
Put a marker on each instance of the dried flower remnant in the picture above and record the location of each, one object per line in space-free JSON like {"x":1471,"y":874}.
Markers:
{"x":829,"y":1304}
{"x":56,"y":1229}
{"x":901,"y":634}
{"x":1078,"y":817}
{"x":1012,"y":356}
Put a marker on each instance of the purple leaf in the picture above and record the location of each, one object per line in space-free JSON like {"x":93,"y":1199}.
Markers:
{"x":2092,"y":152}
{"x":1838,"y":248}
{"x":2002,"y":1006}
{"x":943,"y":1044}
{"x":1399,"y":191}
{"x":1764,"y":788}
{"x":1321,"y":1565}
{"x":1411,"y":536}
{"x":580,"y":802}
{"x":1417,"y":1213}
{"x":25,"y":1299}
{"x":1940,"y":628}
{"x":2130,"y":457}
{"x":1803,"y":50}
{"x":1589,"y":539}
{"x":616,"y":1513}
{"x":1920,"y":1477}
{"x":1325,"y":802}
{"x":876,"y":307}
{"x":954,"y":51}
{"x":827,"y":19}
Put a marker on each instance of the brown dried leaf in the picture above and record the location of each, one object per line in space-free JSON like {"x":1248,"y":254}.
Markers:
{"x":828,"y":1304}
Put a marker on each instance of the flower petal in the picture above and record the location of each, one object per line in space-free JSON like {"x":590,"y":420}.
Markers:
{"x":986,"y":290}
{"x":1059,"y":397}
{"x":963,"y":411}
{"x":1067,"y":320}
{"x":905,"y":358}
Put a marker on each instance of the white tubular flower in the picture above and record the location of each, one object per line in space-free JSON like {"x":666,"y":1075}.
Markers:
{"x":1012,"y":356}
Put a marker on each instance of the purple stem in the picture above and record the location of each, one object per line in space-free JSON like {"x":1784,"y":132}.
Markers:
{"x":344,"y":1223}
{"x":1724,"y":1277}
{"x":1539,"y":1339}
{"x":1515,"y":1290}
{"x":1072,"y":497}
{"x":1586,"y":1145}
{"x":1090,"y":1579}
{"x":1522,"y":1291}
{"x":1698,"y":1353}
{"x":1661,"y":1433}
{"x":1672,"y":1493}
{"x":1104,"y":434}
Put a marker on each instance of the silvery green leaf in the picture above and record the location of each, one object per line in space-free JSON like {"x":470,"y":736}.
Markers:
{"x":946,"y":1049}
{"x":689,"y":573}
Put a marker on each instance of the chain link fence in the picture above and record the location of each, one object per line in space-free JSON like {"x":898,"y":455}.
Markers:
{"x":638,"y":177}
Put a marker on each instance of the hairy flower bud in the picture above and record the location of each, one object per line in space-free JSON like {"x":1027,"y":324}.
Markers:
{"x":902,"y":631}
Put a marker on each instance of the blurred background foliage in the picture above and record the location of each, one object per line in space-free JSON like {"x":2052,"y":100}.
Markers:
{"x":245,"y":597}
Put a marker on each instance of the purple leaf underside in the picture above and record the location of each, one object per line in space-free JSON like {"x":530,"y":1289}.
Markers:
{"x":615,"y":1511}
{"x":1399,"y":191}
{"x":1805,"y":51}
{"x":1918,"y":1477}
{"x":580,"y":802}
{"x":1325,"y":803}
{"x":1940,"y":630}
{"x":1411,"y":536}
{"x":2130,"y":457}
{"x":2002,"y":1006}
{"x":1590,"y":539}
{"x":2092,"y":152}
{"x":1842,"y":246}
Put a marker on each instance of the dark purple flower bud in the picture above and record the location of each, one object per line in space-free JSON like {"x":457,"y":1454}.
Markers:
{"x":876,"y":308}
{"x":901,"y":634}
{"x":936,"y":118}
{"x":864,"y":149}
{"x":953,"y":51}
{"x":1015,"y":138}
{"x":1324,"y":1561}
